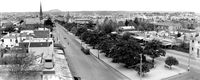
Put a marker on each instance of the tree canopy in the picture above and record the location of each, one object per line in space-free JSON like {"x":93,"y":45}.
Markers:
{"x":153,"y":49}
{"x":171,"y":61}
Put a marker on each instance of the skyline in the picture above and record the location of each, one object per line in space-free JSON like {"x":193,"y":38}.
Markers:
{"x":103,"y":5}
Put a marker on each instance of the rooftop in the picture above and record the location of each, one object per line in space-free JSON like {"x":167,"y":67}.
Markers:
{"x":41,"y":33}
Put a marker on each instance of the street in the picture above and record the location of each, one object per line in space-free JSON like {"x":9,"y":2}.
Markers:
{"x":85,"y":66}
{"x":183,"y":60}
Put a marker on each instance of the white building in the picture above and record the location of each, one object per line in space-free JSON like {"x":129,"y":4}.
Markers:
{"x":13,"y":39}
{"x":39,"y":46}
{"x":126,"y":28}
{"x":9,"y":40}
{"x":27,"y":31}
{"x":195,"y":46}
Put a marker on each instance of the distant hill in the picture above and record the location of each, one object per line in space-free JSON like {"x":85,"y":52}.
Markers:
{"x":55,"y":10}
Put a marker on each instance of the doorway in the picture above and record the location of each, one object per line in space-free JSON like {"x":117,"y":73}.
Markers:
{"x":198,"y":53}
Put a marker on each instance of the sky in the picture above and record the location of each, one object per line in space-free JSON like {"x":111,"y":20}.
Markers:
{"x":103,"y":5}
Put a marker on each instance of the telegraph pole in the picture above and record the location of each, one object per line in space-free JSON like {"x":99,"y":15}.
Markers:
{"x":141,"y":66}
{"x":189,"y":61}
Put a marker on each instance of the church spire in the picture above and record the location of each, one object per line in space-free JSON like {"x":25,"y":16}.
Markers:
{"x":41,"y":14}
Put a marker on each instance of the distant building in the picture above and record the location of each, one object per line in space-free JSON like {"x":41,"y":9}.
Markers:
{"x":82,"y":21}
{"x":168,"y":26}
{"x":27,"y":31}
{"x":126,"y":28}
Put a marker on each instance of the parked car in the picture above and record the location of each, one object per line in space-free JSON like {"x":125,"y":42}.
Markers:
{"x":48,"y":62}
{"x":85,"y":50}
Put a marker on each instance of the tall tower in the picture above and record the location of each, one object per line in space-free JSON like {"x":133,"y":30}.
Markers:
{"x":41,"y":14}
{"x":68,"y":18}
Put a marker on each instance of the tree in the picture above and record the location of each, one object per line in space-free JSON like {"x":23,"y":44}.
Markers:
{"x":126,"y":36}
{"x":126,"y":23}
{"x":120,"y":23}
{"x":171,"y":61}
{"x":145,"y":68}
{"x":49,"y":24}
{"x":20,"y":65}
{"x":126,"y":52}
{"x":136,"y":21}
{"x":74,"y":30}
{"x":80,"y":30}
{"x":90,"y":25}
{"x":108,"y":28}
{"x":153,"y":49}
{"x":9,"y":29}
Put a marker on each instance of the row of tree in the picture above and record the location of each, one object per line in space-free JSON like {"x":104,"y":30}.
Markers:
{"x":121,"y":48}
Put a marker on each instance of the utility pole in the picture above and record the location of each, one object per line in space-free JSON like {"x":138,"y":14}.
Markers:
{"x":189,"y":61}
{"x":98,"y":54}
{"x":141,"y":66}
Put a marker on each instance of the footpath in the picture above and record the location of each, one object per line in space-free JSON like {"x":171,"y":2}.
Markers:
{"x":132,"y":74}
{"x":61,"y":69}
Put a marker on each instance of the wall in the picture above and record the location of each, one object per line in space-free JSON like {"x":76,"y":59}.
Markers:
{"x":195,"y":45}
{"x":40,"y":50}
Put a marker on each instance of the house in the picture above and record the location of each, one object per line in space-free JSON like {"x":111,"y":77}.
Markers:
{"x":38,"y":46}
{"x":9,"y":40}
{"x":195,"y":46}
{"x":168,"y":26}
{"x":13,"y":39}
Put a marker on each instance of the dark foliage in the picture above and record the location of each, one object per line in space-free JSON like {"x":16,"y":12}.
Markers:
{"x":171,"y":61}
{"x":10,"y":29}
{"x":153,"y":49}
{"x":81,"y":30}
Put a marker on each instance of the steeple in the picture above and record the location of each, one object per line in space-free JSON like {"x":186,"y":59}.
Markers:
{"x":68,"y":17}
{"x":41,"y":14}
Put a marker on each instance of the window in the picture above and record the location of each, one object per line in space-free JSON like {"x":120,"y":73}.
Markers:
{"x":192,"y":41}
{"x":198,"y":41}
{"x":16,"y":41}
{"x":48,"y":60}
{"x":10,"y":40}
{"x":192,"y":48}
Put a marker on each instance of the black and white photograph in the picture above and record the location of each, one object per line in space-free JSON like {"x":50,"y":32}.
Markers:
{"x":99,"y":40}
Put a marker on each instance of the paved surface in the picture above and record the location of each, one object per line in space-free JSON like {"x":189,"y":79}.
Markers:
{"x":185,"y":76}
{"x":183,"y":59}
{"x":85,"y":66}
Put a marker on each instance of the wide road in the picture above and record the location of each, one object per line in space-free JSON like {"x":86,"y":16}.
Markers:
{"x":85,"y":66}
